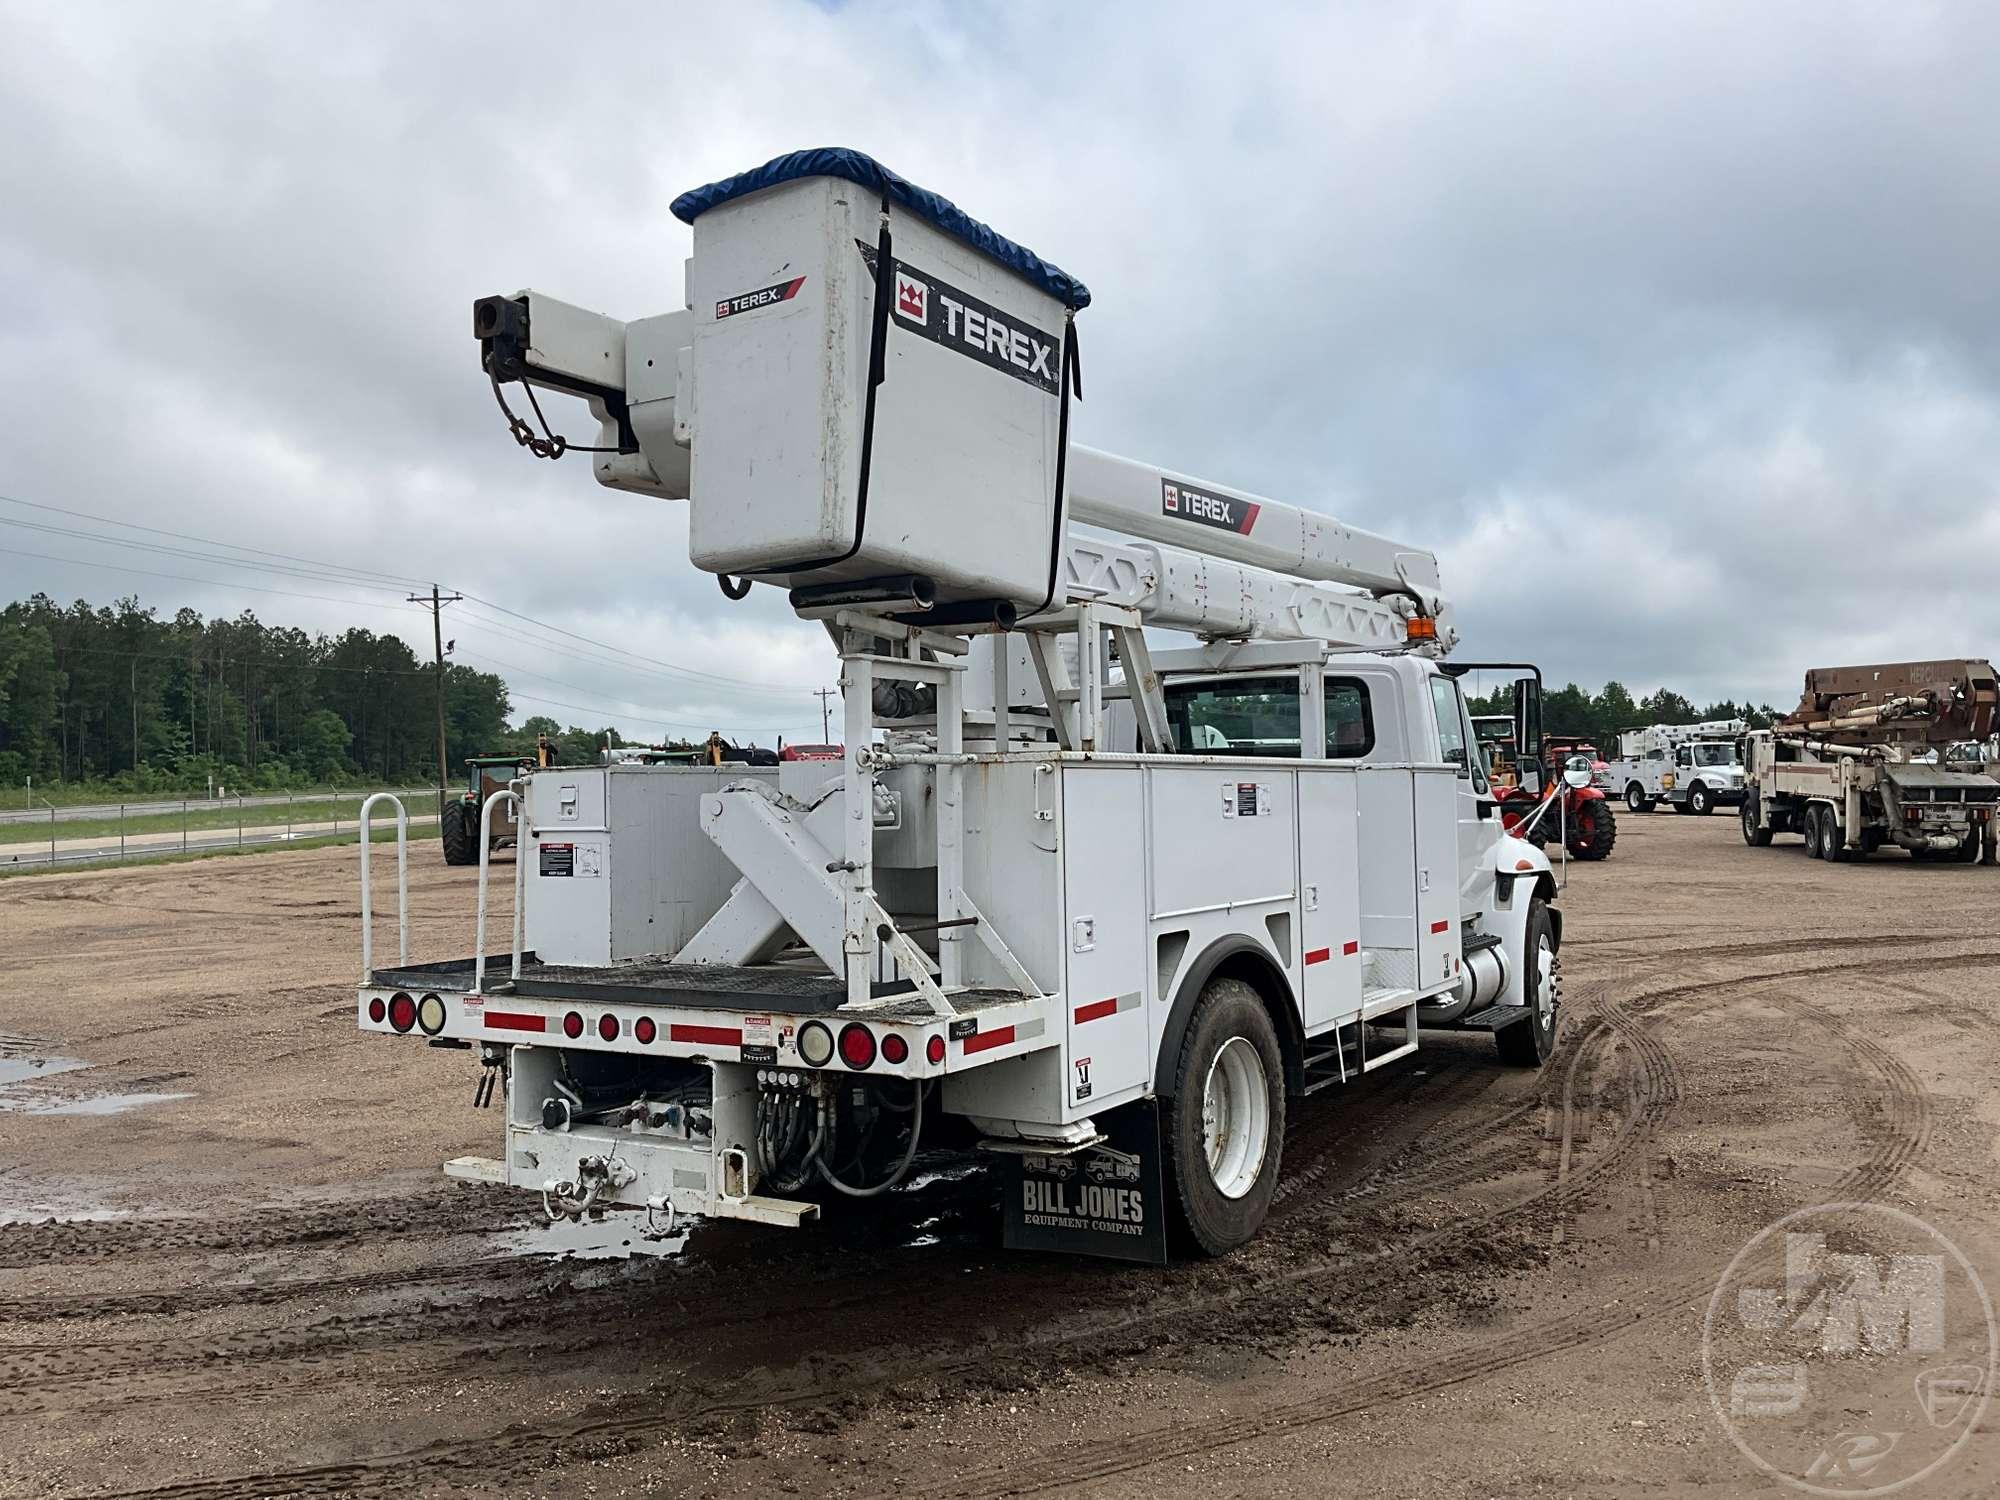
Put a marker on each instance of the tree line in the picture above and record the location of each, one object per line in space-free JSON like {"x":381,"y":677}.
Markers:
{"x":1599,"y":716}
{"x":122,"y":697}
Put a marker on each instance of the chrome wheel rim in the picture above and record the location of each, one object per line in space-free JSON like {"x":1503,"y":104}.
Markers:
{"x":1235,"y":1117}
{"x":1547,"y":984}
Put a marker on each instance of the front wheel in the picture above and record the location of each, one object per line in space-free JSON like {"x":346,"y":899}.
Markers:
{"x":1592,"y":830}
{"x":1527,"y":1044}
{"x":1755,"y":837}
{"x":1226,"y":1122}
{"x":1701,"y":801}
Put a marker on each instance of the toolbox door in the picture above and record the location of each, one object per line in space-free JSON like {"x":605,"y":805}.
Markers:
{"x":1329,"y":897}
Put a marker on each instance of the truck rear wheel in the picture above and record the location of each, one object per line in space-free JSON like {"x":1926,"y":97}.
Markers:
{"x":1636,"y":798}
{"x":456,"y":833}
{"x":1812,"y":831}
{"x":1968,"y":849}
{"x":1593,"y":830}
{"x":1226,"y":1122}
{"x":1832,"y":840}
{"x":1527,"y":1044}
{"x":1755,"y":837}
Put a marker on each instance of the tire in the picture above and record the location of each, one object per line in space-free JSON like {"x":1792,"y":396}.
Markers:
{"x":1527,"y":1044}
{"x":1968,"y":852}
{"x":1595,"y":830}
{"x":1832,"y":841}
{"x":1225,"y":1124}
{"x":1701,"y":801}
{"x":1812,"y":831}
{"x":1755,"y":837}
{"x":1637,"y":800}
{"x":459,"y":834}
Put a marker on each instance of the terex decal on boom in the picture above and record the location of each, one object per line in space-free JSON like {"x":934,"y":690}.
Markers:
{"x":961,"y":322}
{"x":1224,"y":512}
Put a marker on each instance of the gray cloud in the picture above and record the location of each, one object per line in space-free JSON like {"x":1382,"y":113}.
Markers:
{"x":1673,"y":331}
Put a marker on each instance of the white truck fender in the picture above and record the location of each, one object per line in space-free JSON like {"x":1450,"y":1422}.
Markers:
{"x":1522,"y":871}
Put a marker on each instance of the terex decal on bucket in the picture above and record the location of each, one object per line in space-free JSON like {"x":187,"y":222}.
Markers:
{"x":1107,"y":1201}
{"x":961,"y":322}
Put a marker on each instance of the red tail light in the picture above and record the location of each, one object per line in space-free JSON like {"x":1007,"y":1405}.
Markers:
{"x":645,"y":1030}
{"x":377,"y":1010}
{"x":894,"y":1049}
{"x":572,"y":1025}
{"x":607,"y":1027}
{"x":857,"y":1045}
{"x":934,"y":1049}
{"x":402,"y":1012}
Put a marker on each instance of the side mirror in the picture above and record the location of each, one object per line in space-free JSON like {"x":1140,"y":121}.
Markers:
{"x":1577,"y":777}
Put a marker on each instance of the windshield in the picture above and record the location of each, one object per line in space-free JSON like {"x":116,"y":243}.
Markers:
{"x":1246,"y":716}
{"x":1715,"y":755}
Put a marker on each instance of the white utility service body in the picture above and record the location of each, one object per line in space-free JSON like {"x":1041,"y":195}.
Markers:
{"x":1695,"y":768}
{"x":1066,"y":898}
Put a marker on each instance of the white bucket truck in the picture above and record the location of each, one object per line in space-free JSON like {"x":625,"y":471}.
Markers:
{"x":1694,"y":768}
{"x":1098,"y":907}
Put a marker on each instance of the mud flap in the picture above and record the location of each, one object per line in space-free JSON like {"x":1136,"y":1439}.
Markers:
{"x":1109,"y":1200}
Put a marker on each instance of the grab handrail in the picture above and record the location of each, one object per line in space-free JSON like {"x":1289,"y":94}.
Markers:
{"x":520,"y":882}
{"x":368,"y":888}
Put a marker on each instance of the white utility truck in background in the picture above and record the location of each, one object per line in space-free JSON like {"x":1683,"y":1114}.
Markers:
{"x":1864,"y":761}
{"x":1694,"y":767}
{"x":1099,"y":907}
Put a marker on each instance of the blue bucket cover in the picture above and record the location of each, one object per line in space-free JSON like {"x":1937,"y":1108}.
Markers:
{"x":838,"y":161}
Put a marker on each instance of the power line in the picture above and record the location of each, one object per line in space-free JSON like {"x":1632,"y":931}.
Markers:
{"x":204,"y":541}
{"x":162,"y":550}
{"x":219,"y":583}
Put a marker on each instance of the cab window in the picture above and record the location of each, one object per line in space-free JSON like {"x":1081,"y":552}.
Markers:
{"x":1243,"y":716}
{"x":1350,"y":725}
{"x":1450,"y":723}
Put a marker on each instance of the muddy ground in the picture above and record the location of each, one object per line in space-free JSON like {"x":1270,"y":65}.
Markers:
{"x":1476,"y":1281}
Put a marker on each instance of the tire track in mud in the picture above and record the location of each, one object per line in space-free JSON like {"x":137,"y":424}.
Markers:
{"x":1904,"y":1132}
{"x":1654,"y":1090}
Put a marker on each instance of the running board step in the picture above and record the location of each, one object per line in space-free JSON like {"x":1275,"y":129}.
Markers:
{"x":1493,"y":1018}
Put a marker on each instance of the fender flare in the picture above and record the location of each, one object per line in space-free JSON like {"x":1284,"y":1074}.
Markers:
{"x":1240,"y":957}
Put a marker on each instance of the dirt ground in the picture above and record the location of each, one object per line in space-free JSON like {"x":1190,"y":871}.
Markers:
{"x":1476,"y":1281}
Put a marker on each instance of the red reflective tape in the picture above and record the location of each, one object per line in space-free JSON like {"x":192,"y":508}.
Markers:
{"x":980,"y":1041}
{"x":511,"y":1020}
{"x":1444,"y":926}
{"x":1319,"y":955}
{"x":714,"y":1036}
{"x":1347,"y":948}
{"x":1093,"y":1010}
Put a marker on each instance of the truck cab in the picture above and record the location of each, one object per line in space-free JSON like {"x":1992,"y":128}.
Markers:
{"x":1693,"y":768}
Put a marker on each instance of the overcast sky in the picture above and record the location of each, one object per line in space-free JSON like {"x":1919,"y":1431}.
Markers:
{"x":1673,"y":329}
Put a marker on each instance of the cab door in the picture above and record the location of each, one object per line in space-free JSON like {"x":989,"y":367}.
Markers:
{"x":1477,"y":830}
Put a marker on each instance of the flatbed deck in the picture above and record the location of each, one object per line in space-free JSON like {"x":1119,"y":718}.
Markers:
{"x":781,"y":988}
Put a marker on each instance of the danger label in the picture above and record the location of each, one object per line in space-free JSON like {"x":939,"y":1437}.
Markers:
{"x":1206,"y":507}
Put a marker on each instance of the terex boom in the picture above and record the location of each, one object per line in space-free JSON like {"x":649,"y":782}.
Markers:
{"x":1100,"y":908}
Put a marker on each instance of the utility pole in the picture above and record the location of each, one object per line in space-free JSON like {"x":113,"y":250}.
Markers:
{"x":825,"y":715}
{"x":135,"y":719}
{"x":435,"y":604}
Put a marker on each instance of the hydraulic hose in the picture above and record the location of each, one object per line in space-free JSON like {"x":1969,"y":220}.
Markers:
{"x":902,"y":1167}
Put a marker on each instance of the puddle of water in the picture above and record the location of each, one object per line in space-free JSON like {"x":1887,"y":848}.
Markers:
{"x":27,"y":1069}
{"x":103,"y":1104}
{"x":616,"y":1236}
